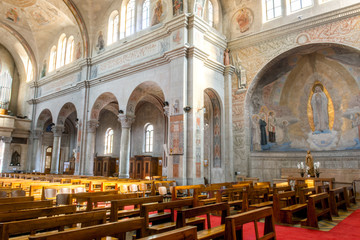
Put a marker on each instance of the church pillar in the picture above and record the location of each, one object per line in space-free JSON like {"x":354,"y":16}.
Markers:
{"x":126,"y":122}
{"x":55,"y":159}
{"x":228,"y":145}
{"x":6,"y":154}
{"x":88,"y":165}
{"x":36,"y":153}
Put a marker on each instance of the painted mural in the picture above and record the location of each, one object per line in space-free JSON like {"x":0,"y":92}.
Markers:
{"x":178,"y":7}
{"x":310,"y":100}
{"x":158,"y":12}
{"x":244,"y":19}
{"x":177,"y":134}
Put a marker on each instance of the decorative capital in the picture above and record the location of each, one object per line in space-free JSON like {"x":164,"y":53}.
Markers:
{"x":229,"y":70}
{"x":126,"y":120}
{"x":167,"y":111}
{"x":37,"y":133}
{"x":6,"y":139}
{"x":92,"y":125}
{"x":57,"y":130}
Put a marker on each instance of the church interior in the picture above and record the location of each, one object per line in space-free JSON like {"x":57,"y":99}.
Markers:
{"x":237,"y":110}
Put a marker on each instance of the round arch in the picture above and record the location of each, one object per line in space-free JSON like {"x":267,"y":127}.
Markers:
{"x":105,"y":100}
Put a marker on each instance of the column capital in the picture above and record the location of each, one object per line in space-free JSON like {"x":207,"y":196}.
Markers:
{"x":167,"y":111}
{"x":229,"y":70}
{"x":57,"y":130}
{"x":36,"y":133}
{"x":6,"y":139}
{"x":92,"y":125}
{"x":126,"y":120}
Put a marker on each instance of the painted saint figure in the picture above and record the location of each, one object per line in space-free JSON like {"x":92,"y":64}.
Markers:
{"x":177,"y":7}
{"x":158,"y":11}
{"x":271,"y":126}
{"x":319,"y":104}
{"x":101,"y":42}
{"x":309,"y":161}
{"x":262,"y":123}
{"x":43,"y":71}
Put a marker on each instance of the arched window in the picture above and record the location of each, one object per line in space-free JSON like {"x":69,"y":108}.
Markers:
{"x":149,"y":138}
{"x":70,"y":50}
{"x":5,"y":89}
{"x":130,"y":18}
{"x":52,"y":60}
{"x":210,"y":13}
{"x":113,"y":27}
{"x":273,"y":9}
{"x":146,"y":14}
{"x":109,"y":137}
{"x":60,"y":61}
{"x":296,"y":5}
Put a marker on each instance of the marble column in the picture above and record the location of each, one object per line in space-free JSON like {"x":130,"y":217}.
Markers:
{"x":36,"y":153}
{"x":55,"y":159}
{"x":6,"y":154}
{"x":228,"y":145}
{"x":88,"y":165}
{"x":124,"y":164}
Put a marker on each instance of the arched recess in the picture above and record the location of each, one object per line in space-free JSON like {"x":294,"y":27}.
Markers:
{"x":105,"y":100}
{"x":212,"y":133}
{"x":281,"y":94}
{"x":45,"y":116}
{"x":146,"y":103}
{"x":43,"y":148}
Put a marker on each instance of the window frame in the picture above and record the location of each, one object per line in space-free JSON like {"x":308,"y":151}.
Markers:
{"x":109,"y":141}
{"x":149,"y":138}
{"x":273,"y":10}
{"x":130,"y":21}
{"x":145,"y":19}
{"x":113,"y":27}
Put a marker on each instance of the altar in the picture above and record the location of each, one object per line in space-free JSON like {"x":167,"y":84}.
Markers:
{"x":311,"y":182}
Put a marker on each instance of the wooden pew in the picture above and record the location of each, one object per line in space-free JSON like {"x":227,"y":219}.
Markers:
{"x":94,"y":200}
{"x":82,"y":196}
{"x":16,"y":199}
{"x":184,"y":233}
{"x":233,"y":224}
{"x":186,"y":191}
{"x":323,"y":188}
{"x":115,"y":214}
{"x":259,"y":198}
{"x":10,"y":207}
{"x":304,"y":194}
{"x":284,"y":206}
{"x":169,"y":223}
{"x":281,"y":189}
{"x":36,"y":213}
{"x":236,"y":197}
{"x":350,"y":195}
{"x":210,"y":233}
{"x":314,"y":211}
{"x":33,"y":225}
{"x":114,"y":229}
{"x":337,"y":200}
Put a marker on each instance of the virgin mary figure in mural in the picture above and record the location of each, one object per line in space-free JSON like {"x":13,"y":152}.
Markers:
{"x":319,"y":104}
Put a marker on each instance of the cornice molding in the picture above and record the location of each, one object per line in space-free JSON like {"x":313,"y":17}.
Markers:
{"x":295,"y":27}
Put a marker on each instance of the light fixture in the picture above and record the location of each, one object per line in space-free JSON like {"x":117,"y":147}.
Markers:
{"x":121,"y":111}
{"x":166,"y":103}
{"x":187,"y":109}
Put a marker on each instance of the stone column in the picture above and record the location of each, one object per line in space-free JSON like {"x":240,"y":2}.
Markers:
{"x":36,"y":153}
{"x":126,"y":122}
{"x":6,"y":154}
{"x":55,"y":159}
{"x":88,"y":165}
{"x":228,"y":144}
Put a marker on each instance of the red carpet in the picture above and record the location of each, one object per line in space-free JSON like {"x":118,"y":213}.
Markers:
{"x":348,"y":229}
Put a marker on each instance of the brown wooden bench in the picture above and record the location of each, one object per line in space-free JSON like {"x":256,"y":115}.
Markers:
{"x":16,"y":199}
{"x":323,"y":188}
{"x":10,"y":207}
{"x":118,"y":211}
{"x":33,"y":225}
{"x":337,"y":200}
{"x":259,"y":198}
{"x":210,"y":233}
{"x":318,"y":206}
{"x":234,"y":223}
{"x":168,"y":223}
{"x":114,"y":229}
{"x":281,"y":189}
{"x":92,"y":201}
{"x":285,"y":205}
{"x":235,"y":197}
{"x":350,"y":195}
{"x":184,"y":233}
{"x":187,"y":192}
{"x":35,"y":213}
{"x":304,"y":194}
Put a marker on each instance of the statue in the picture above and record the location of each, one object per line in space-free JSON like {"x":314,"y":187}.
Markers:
{"x":15,"y":159}
{"x":227,"y":57}
{"x":310,"y":163}
{"x":319,"y":104}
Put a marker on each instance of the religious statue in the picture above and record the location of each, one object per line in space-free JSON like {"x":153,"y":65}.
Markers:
{"x":310,"y":163}
{"x":227,"y":57}
{"x":319,"y":104}
{"x":101,"y":42}
{"x":158,"y":11}
{"x":15,"y":159}
{"x":262,"y":123}
{"x":271,"y":126}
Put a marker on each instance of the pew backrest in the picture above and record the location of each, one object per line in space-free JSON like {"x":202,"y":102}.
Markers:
{"x":10,"y":207}
{"x":187,"y":233}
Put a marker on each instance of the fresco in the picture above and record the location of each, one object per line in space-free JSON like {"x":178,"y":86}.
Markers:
{"x":308,"y":101}
{"x":244,"y":19}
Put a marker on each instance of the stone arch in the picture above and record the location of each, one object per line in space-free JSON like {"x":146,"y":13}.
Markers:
{"x":146,"y":92}
{"x":65,"y":112}
{"x":107,"y":101}
{"x":43,"y":118}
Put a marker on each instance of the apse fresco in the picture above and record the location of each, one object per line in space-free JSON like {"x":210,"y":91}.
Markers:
{"x":310,"y":100}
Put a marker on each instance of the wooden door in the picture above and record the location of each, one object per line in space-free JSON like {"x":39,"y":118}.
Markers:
{"x":138,"y":169}
{"x":48,"y":158}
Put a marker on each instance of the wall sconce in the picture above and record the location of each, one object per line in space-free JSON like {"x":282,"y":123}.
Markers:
{"x":77,"y":120}
{"x":166,"y":103}
{"x":187,"y":109}
{"x":121,"y":111}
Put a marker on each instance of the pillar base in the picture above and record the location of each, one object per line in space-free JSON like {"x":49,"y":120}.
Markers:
{"x":124,"y":175}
